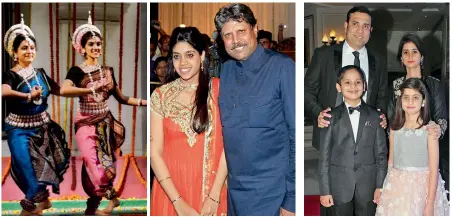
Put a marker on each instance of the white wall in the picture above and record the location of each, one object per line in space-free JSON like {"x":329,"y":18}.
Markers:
{"x":334,"y":18}
{"x":40,"y":27}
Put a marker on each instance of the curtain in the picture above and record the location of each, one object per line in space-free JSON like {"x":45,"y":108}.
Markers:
{"x":201,"y":15}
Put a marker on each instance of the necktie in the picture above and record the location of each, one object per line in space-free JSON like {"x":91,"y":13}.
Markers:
{"x":356,"y":59}
{"x":351,"y":109}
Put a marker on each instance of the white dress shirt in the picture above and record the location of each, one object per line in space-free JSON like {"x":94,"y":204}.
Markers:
{"x":348,"y":59}
{"x":354,"y":118}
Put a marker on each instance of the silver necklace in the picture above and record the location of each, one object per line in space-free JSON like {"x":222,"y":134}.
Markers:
{"x":24,"y":72}
{"x":91,"y":68}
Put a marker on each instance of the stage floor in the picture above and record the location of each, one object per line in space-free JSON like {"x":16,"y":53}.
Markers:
{"x":72,"y":197}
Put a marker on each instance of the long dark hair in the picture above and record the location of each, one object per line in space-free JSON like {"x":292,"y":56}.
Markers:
{"x":400,"y":116}
{"x":192,"y":36}
{"x":411,"y":37}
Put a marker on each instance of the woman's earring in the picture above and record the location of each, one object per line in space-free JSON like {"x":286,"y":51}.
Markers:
{"x":15,"y":58}
{"x":202,"y":67}
{"x":83,"y":51}
{"x":423,"y":103}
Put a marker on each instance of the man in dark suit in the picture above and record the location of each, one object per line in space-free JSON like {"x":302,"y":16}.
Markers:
{"x":320,"y":79}
{"x":353,"y":151}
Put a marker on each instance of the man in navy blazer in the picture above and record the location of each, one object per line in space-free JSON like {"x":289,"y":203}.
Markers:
{"x":257,"y":109}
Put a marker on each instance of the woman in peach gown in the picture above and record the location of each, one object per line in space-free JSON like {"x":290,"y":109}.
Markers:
{"x":187,"y":153}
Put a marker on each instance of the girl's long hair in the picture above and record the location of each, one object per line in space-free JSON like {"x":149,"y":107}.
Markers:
{"x":193,"y":36}
{"x":400,"y":116}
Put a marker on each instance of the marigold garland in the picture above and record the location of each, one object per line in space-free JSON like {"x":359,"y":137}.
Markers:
{"x":74,"y":173}
{"x":6,"y":172}
{"x":105,"y":35}
{"x":71,"y":112}
{"x":119,"y":187}
{"x":51,"y":56}
{"x":120,"y":81}
{"x":57,"y":23}
{"x":92,"y":13}
{"x":139,"y":174}
{"x":65,"y":120}
{"x":134,"y":109}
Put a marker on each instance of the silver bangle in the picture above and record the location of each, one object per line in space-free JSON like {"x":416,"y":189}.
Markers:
{"x":28,"y":97}
{"x":139,"y":101}
{"x":173,"y":201}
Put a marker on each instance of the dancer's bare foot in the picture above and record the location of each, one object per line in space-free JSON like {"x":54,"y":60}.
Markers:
{"x":96,"y":212}
{"x":112,"y":204}
{"x":35,"y":212}
{"x":45,"y":205}
{"x":100,"y":212}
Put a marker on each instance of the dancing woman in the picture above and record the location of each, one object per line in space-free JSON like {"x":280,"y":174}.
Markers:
{"x":39,"y":151}
{"x":98,"y":133}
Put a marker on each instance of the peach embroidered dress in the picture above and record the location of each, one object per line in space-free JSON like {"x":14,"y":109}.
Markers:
{"x":192,"y":159}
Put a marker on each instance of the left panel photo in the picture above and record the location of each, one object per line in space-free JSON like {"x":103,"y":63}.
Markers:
{"x":74,"y":99}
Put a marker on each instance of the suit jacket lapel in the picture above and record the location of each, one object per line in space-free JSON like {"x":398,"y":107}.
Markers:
{"x":338,"y":55}
{"x":371,"y":74}
{"x":363,"y":117}
{"x":345,"y":121}
{"x":337,"y":61}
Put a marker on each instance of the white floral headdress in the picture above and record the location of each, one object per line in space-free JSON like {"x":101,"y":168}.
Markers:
{"x":80,"y":31}
{"x":13,"y":32}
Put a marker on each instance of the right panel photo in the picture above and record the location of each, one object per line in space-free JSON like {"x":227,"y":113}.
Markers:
{"x":376,"y":97}
{"x":222,"y":119}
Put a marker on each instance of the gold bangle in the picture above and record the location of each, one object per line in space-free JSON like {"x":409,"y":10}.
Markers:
{"x":164,"y":179}
{"x":218,"y":202}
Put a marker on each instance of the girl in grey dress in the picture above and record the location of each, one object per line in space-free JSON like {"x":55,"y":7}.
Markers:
{"x":413,"y":185}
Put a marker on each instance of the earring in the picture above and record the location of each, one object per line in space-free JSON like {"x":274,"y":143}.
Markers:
{"x":83,"y":51}
{"x":15,"y":57}
{"x":202,"y":67}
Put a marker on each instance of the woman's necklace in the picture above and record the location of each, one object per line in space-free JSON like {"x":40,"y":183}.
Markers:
{"x":91,"y":68}
{"x":24,"y":73}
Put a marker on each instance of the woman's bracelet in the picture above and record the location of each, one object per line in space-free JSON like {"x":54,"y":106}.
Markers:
{"x":139,"y":100}
{"x":164,"y":179}
{"x":213,"y":199}
{"x":173,"y":201}
{"x":28,"y":97}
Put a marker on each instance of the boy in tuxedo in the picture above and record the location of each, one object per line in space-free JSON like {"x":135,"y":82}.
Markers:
{"x":353,"y":151}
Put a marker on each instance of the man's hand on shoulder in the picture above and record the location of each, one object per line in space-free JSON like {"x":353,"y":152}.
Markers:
{"x":321,"y":122}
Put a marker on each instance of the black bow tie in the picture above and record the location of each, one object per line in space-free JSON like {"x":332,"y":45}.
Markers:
{"x":351,"y":109}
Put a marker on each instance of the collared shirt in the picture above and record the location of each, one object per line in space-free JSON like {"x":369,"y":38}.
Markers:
{"x":354,"y":118}
{"x":348,"y":59}
{"x":257,"y":108}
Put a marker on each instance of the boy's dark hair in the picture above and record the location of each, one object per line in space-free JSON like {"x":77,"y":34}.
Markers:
{"x":400,"y":116}
{"x":361,"y":9}
{"x":349,"y":67}
{"x":264,"y":34}
{"x":158,"y":60}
